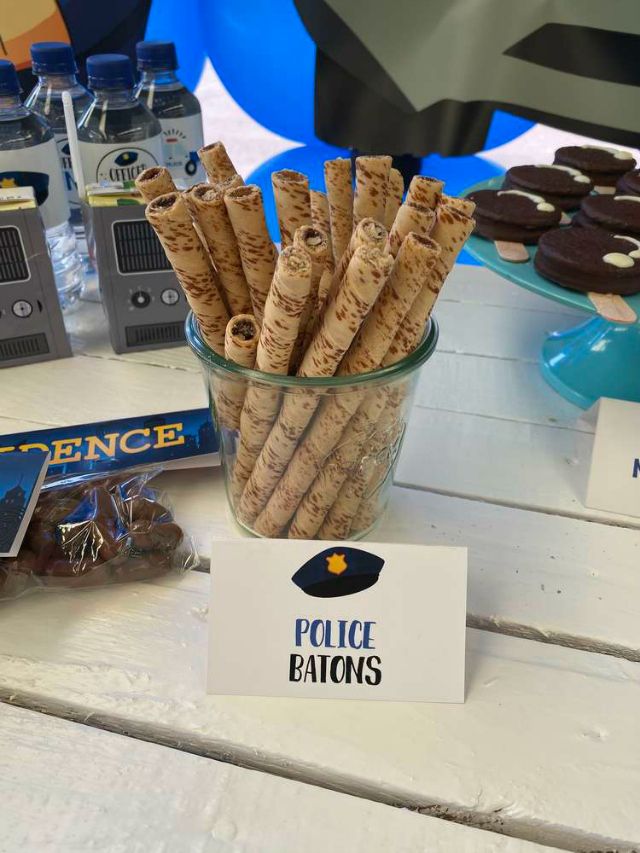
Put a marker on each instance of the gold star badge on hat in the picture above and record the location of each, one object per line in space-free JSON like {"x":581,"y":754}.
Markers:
{"x":336,"y":564}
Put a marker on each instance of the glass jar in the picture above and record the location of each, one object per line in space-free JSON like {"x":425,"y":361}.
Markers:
{"x":309,"y":457}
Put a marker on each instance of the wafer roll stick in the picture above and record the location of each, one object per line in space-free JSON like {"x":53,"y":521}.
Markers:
{"x":424,"y":191}
{"x":240,"y":345}
{"x":257,"y":252}
{"x":415,"y":260}
{"x":364,"y":280}
{"x":339,"y":185}
{"x":463,"y":205}
{"x":411,"y":270}
{"x":395,"y":191}
{"x":291,"y":195}
{"x":315,"y":243}
{"x":451,"y":230}
{"x":368,"y":232}
{"x":170,"y":219}
{"x":343,"y":464}
{"x":320,"y":217}
{"x":208,"y":211}
{"x":217,"y":163}
{"x":372,"y":177}
{"x":410,"y":217}
{"x":154,"y":181}
{"x":283,"y":309}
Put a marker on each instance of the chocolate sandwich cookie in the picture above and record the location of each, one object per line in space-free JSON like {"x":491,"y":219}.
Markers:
{"x":513,"y":215}
{"x":629,"y":183}
{"x":605,"y":166}
{"x":617,"y":214}
{"x":589,"y":259}
{"x":563,"y":186}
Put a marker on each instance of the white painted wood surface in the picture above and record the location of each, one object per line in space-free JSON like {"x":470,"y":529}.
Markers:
{"x":139,"y":797}
{"x":547,"y":746}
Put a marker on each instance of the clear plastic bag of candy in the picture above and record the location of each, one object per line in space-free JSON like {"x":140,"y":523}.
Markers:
{"x":96,"y":531}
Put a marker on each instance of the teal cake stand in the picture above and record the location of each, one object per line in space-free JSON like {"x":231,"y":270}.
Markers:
{"x":594,"y":359}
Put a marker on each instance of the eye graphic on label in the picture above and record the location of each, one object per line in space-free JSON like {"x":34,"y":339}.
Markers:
{"x":338,"y":571}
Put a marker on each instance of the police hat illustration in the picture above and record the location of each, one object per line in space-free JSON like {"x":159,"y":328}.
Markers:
{"x":127,"y":158}
{"x":38,"y":180}
{"x":338,"y":571}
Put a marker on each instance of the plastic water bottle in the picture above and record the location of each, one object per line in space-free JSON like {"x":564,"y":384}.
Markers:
{"x":55,"y":67}
{"x":29,"y":157}
{"x":119,"y":136}
{"x":177,"y":109}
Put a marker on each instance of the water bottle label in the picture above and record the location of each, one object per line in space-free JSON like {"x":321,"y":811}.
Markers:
{"x":67,"y":171}
{"x":38,"y":167}
{"x":181,"y":138}
{"x":118,"y":162}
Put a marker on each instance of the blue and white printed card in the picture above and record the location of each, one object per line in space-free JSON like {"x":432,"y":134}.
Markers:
{"x":337,"y":621}
{"x":21,"y":477}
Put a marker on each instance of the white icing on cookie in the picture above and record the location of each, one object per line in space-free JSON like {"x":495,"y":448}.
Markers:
{"x":540,"y":203}
{"x":627,"y":198}
{"x":575,"y":173}
{"x":617,"y":259}
{"x":634,"y":253}
{"x":617,"y":153}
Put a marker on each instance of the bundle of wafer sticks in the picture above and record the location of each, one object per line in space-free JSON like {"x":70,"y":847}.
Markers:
{"x":351,"y":290}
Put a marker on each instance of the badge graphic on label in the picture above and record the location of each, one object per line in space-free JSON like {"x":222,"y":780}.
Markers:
{"x":338,"y":571}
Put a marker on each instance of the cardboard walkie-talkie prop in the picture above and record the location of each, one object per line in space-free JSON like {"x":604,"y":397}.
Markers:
{"x":31,"y":324}
{"x":144,"y":303}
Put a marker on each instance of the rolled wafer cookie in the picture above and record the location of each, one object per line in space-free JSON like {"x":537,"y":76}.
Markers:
{"x":209,"y":213}
{"x":154,"y":181}
{"x":410,"y":273}
{"x":315,"y":243}
{"x":410,"y":217}
{"x":240,"y":345}
{"x":170,"y":219}
{"x":370,"y":197}
{"x":363,"y":281}
{"x":257,"y":252}
{"x":217,"y":163}
{"x":395,"y":191}
{"x":293,"y":206}
{"x":424,"y":191}
{"x":450,"y":231}
{"x":464,"y":205}
{"x":367,"y":232}
{"x":339,"y":185}
{"x":410,"y":270}
{"x":283,"y":309}
{"x":320,"y":216}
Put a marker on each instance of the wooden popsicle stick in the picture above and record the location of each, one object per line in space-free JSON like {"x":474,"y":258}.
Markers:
{"x":565,"y":219}
{"x":612,"y":307}
{"x":605,"y":190}
{"x":516,"y":253}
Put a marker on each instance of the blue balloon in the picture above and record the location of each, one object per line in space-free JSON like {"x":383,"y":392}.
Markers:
{"x":308,"y":159}
{"x":169,"y":21}
{"x":265,"y":59}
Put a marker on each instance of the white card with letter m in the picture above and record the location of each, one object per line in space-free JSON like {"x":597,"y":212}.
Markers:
{"x":344,"y":621}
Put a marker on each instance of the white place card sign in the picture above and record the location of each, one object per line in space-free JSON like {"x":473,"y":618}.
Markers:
{"x":344,"y":621}
{"x":614,"y":476}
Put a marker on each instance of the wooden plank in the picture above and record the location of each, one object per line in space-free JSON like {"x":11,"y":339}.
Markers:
{"x":65,"y":785}
{"x":493,"y":387}
{"x":558,"y":579}
{"x":517,"y":464}
{"x":540,"y":723}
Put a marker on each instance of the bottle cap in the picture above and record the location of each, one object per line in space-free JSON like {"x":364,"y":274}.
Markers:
{"x":156,"y":56}
{"x":9,"y":84}
{"x":109,"y":71}
{"x":52,"y":57}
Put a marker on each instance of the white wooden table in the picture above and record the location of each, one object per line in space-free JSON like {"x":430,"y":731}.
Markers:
{"x":107,"y":739}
